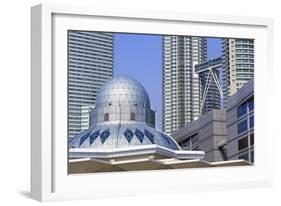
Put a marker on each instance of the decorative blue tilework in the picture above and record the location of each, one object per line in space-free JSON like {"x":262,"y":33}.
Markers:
{"x":139,"y":135}
{"x":84,"y":137}
{"x":129,"y":135}
{"x":104,"y":135}
{"x":149,"y":136}
{"x":94,"y":136}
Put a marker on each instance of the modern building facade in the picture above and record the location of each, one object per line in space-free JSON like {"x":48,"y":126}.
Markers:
{"x":207,"y":133}
{"x":211,"y":92}
{"x":225,"y":134}
{"x":180,"y":83}
{"x":90,"y":65}
{"x":240,"y":123}
{"x":238,"y":64}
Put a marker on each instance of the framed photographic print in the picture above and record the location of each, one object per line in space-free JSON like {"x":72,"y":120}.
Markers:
{"x":134,"y":102}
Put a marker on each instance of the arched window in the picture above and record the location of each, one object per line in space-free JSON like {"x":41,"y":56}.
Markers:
{"x":133,"y":116}
{"x":106,"y":117}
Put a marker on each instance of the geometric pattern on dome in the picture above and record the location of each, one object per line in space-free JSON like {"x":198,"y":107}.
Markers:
{"x":122,"y":135}
{"x":84,"y":137}
{"x":94,"y":136}
{"x":129,"y":135}
{"x":104,"y":135}
{"x":122,"y":89}
{"x":139,"y":135}
{"x":149,"y":136}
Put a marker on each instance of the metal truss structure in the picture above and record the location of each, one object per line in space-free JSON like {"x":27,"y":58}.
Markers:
{"x":210,"y":69}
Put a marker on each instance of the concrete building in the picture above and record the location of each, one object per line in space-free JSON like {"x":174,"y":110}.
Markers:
{"x":208,"y":133}
{"x":90,"y":65}
{"x":180,"y":84}
{"x":238,"y":64}
{"x":240,"y":124}
{"x":224,"y":134}
{"x":211,"y":92}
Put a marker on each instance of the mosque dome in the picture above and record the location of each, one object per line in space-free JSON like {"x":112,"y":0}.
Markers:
{"x":122,"y":118}
{"x":122,"y":90}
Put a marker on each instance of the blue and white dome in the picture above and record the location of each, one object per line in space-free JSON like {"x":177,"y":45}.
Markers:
{"x":107,"y":137}
{"x":122,"y":118}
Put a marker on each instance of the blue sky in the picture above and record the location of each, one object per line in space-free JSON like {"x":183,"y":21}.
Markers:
{"x":140,"y":56}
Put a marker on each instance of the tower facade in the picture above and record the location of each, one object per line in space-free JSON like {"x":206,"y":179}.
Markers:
{"x":90,"y":65}
{"x":237,"y":63}
{"x":180,"y":83}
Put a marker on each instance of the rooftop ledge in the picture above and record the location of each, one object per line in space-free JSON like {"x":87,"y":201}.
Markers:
{"x":134,"y":151}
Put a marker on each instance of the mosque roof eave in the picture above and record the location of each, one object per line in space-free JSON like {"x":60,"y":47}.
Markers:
{"x":134,"y":151}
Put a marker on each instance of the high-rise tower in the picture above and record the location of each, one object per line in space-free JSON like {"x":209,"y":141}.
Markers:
{"x":90,"y":65}
{"x":237,"y":63}
{"x":180,"y":85}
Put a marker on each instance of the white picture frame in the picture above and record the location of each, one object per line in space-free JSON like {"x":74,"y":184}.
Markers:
{"x":49,"y":179}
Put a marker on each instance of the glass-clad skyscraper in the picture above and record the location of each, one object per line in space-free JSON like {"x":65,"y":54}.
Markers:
{"x":237,"y":63}
{"x":180,"y":83}
{"x":90,"y":65}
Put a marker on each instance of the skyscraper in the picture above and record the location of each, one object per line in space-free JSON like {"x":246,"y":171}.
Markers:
{"x":90,"y":65}
{"x":180,"y":84}
{"x":237,"y":63}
